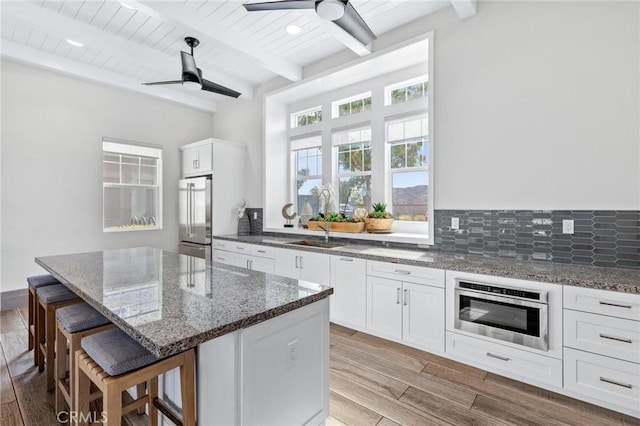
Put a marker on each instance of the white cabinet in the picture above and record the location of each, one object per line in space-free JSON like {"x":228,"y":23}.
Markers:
{"x":602,"y":347}
{"x":348,"y":302}
{"x":197,"y":160}
{"x":304,"y":265}
{"x":250,"y":256}
{"x":404,"y":310}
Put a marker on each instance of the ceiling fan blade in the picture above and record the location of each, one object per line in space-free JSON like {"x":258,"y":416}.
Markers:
{"x":210,"y":86}
{"x":189,"y":69}
{"x":157,"y":83}
{"x":281,"y":5}
{"x":353,"y":23}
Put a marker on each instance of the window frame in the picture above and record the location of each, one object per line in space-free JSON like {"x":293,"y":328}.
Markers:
{"x":111,"y":146}
{"x":335,"y":105}
{"x":294,"y":164}
{"x":335,"y":158}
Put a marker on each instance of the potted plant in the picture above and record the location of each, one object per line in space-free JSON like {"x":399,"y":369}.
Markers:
{"x":379,"y":220}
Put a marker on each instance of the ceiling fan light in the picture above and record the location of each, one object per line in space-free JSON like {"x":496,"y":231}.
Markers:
{"x":330,"y":9}
{"x":191,"y":85}
{"x":293,"y":29}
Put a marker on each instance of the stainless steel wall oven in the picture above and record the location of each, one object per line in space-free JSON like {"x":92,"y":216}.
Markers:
{"x":514,"y":315}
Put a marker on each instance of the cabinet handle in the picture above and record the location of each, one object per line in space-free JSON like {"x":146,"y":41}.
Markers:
{"x":617,"y":305}
{"x":398,"y":296}
{"x":406,"y":297}
{"x":301,"y":259}
{"x":403,"y":272}
{"x":240,"y":248}
{"x":248,"y":264}
{"x":619,"y":339}
{"x":501,"y":358}
{"x":613,"y":382}
{"x":194,"y":164}
{"x":297,"y":261}
{"x":346,"y":259}
{"x":262,"y":251}
{"x":221,"y":258}
{"x":251,"y":265}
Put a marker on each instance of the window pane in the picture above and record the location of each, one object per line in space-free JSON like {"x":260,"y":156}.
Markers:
{"x":343,"y":110}
{"x":395,"y":131}
{"x":398,"y":156}
{"x":367,"y":104}
{"x":354,"y":158}
{"x":304,"y":193}
{"x":398,"y":95}
{"x":130,"y":207}
{"x":409,"y":195}
{"x":130,"y":173}
{"x":309,"y":162}
{"x":417,"y":153}
{"x":413,"y":128}
{"x":344,"y":159}
{"x":148,"y":175}
{"x":111,"y":172}
{"x":362,"y":185}
{"x":130,"y":159}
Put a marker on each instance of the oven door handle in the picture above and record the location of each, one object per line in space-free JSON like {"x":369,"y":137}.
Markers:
{"x":492,"y":297}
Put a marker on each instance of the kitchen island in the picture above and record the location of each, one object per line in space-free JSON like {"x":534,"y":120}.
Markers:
{"x":263,"y":340}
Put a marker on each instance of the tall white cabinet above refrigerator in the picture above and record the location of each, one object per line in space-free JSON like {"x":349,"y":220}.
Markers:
{"x":223,"y":162}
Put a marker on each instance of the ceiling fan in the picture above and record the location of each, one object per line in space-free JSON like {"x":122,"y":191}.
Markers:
{"x":340,"y":12}
{"x":192,"y":75}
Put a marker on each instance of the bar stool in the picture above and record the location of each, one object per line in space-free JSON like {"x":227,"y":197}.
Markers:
{"x":35,"y":282}
{"x":73,"y":322}
{"x":50,"y":298}
{"x":114,"y":362}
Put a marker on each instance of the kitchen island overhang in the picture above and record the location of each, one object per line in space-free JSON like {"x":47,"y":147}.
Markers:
{"x":263,"y":340}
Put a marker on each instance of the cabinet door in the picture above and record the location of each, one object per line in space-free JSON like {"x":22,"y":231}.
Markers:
{"x":288,"y":263}
{"x":384,"y":307}
{"x":349,"y":299}
{"x":190,"y":161}
{"x":315,"y":267}
{"x":423,"y":316}
{"x":230,"y":258}
{"x":263,"y":264}
{"x":205,"y":158}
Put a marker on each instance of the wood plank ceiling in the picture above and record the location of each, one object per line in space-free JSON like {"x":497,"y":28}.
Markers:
{"x":125,"y":43}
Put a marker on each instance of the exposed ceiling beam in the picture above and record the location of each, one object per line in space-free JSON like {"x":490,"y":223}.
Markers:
{"x":178,"y":13}
{"x":65,"y":27}
{"x":465,"y":8}
{"x":29,"y":55}
{"x":345,"y":38}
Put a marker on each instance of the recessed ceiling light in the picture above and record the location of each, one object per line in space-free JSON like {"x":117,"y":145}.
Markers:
{"x":293,"y":29}
{"x":74,"y":43}
{"x":127,"y":5}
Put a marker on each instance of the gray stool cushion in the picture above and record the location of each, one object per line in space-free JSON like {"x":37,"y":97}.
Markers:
{"x":36,"y":281}
{"x":116,"y":352}
{"x":80,"y":317}
{"x":55,"y":293}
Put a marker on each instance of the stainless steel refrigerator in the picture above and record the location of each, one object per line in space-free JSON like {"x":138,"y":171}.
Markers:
{"x":194,"y":217}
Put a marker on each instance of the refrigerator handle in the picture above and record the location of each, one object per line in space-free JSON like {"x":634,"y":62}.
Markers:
{"x":188,"y":209}
{"x":193,"y":209}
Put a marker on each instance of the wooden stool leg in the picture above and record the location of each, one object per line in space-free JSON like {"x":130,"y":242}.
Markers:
{"x":61,"y":368}
{"x":112,"y":401}
{"x":32,"y":305}
{"x":141,"y":390}
{"x":50,"y":324}
{"x":153,"y":393}
{"x":82,"y":385}
{"x":187,"y":388}
{"x":40,"y":325}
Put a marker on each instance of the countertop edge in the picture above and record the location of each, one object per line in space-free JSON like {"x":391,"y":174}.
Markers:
{"x":456,"y":265}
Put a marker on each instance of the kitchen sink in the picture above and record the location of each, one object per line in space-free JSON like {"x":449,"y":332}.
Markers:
{"x":310,"y":243}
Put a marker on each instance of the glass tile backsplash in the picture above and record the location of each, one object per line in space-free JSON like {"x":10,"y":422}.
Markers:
{"x":601,"y":237}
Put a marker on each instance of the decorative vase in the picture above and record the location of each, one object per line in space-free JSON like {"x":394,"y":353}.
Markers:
{"x":244,"y":226}
{"x":378,"y":226}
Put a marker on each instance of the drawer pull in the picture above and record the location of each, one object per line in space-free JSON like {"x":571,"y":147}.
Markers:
{"x":617,"y":305}
{"x":403,"y":272}
{"x":619,"y":339}
{"x":501,"y":358}
{"x":262,"y":251}
{"x":222,"y":258}
{"x":346,"y":259}
{"x":240,"y":248}
{"x":613,"y":382}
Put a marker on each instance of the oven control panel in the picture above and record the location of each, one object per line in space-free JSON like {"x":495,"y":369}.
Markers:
{"x":532,"y":295}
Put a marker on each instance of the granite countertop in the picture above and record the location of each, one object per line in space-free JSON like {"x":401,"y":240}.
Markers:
{"x":170,"y":302}
{"x":615,"y":279}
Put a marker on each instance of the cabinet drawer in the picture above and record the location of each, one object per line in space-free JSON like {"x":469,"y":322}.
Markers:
{"x":603,"y":378}
{"x":409,"y":273}
{"x":225,"y":257}
{"x":261,"y":251}
{"x":614,"y":337}
{"x":244,"y":248}
{"x":505,"y":360}
{"x":612,"y":303}
{"x":222,"y":244}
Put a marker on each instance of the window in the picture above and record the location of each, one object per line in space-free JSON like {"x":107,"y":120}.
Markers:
{"x":353,"y":149}
{"x":307,"y":160}
{"x":351,"y":105}
{"x":408,"y":142}
{"x":132,"y":186}
{"x":406,"y":90}
{"x":308,"y":116}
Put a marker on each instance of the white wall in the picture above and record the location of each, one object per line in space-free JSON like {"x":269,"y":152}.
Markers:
{"x":536,"y":106}
{"x":52,"y":129}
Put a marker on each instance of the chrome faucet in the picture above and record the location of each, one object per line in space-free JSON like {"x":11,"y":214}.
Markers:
{"x":325,"y":228}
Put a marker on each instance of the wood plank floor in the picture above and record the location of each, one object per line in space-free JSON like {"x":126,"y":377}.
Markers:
{"x":373,"y":382}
